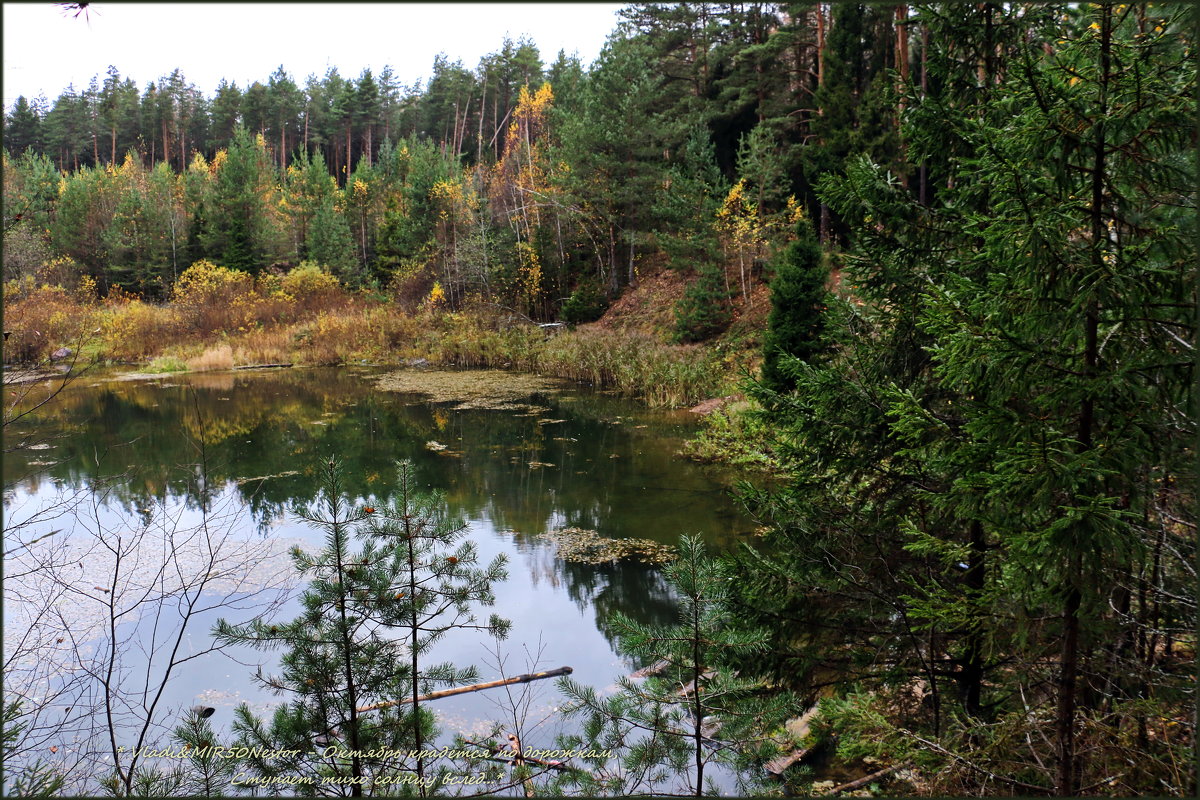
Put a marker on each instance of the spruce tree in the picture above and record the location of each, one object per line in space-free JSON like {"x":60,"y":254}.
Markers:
{"x":23,"y":128}
{"x":236,"y":218}
{"x":329,"y":242}
{"x":704,"y":310}
{"x":978,"y":469}
{"x":798,"y":297}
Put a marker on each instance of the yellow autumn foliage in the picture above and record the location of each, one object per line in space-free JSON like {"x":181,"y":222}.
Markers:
{"x":205,"y":283}
{"x":437,"y":295}
{"x":309,"y":279}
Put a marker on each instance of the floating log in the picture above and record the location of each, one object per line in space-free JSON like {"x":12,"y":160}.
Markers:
{"x":31,"y":542}
{"x":263,"y":366}
{"x":475,"y":687}
{"x":17,"y":376}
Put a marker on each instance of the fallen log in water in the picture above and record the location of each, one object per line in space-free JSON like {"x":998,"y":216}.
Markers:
{"x":475,"y":687}
{"x":797,"y":728}
{"x":18,"y":376}
{"x":262,"y":366}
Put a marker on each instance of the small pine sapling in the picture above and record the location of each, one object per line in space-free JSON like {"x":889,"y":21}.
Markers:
{"x":663,"y":732}
{"x":351,"y":661}
{"x":704,"y":310}
{"x":434,"y":583}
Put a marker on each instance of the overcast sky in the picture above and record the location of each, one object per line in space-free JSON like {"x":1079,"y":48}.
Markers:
{"x":46,"y":49}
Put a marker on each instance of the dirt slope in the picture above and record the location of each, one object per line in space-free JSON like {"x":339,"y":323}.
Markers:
{"x":649,"y":305}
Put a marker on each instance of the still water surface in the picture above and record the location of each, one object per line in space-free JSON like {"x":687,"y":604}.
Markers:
{"x":578,"y":458}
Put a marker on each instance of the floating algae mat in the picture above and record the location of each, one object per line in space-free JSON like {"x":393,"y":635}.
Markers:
{"x":492,"y":389}
{"x":588,"y":547}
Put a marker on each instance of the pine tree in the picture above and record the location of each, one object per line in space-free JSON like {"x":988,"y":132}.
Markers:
{"x":437,"y":586}
{"x":351,"y":662}
{"x":615,"y":149}
{"x":205,"y":773}
{"x":692,"y":712}
{"x":686,"y":205}
{"x":23,"y":780}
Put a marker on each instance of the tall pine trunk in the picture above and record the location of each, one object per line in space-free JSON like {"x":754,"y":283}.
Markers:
{"x":924,"y":181}
{"x":414,"y":632}
{"x":347,"y":644}
{"x":823,"y":223}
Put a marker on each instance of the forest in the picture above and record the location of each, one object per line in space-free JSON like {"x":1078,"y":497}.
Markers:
{"x":971,"y":387}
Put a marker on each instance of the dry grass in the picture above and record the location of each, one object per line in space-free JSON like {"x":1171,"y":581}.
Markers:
{"x":221,"y":318}
{"x":636,"y":364}
{"x":477,"y":388}
{"x":264,"y":346}
{"x":220,"y":357}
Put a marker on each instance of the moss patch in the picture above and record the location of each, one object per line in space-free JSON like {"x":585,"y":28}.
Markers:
{"x":481,"y":388}
{"x":588,"y":547}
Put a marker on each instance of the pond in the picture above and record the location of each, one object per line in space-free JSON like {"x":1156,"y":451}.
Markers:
{"x":174,"y":463}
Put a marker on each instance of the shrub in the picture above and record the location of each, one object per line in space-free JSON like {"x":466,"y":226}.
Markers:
{"x":704,"y":309}
{"x":43,"y":319}
{"x":205,"y":283}
{"x":216,"y":298}
{"x":586,"y":304}
{"x":118,"y":297}
{"x":134,"y":330}
{"x":311,"y":287}
{"x":63,"y":271}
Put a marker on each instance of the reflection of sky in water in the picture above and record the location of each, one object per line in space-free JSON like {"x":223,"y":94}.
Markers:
{"x":601,"y":464}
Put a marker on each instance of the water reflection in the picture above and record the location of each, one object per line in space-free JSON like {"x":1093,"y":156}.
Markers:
{"x":588,"y":461}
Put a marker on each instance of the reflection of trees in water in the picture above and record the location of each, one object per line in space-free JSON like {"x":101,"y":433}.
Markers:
{"x":259,"y":427}
{"x":583,"y":462}
{"x":635,"y":589}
